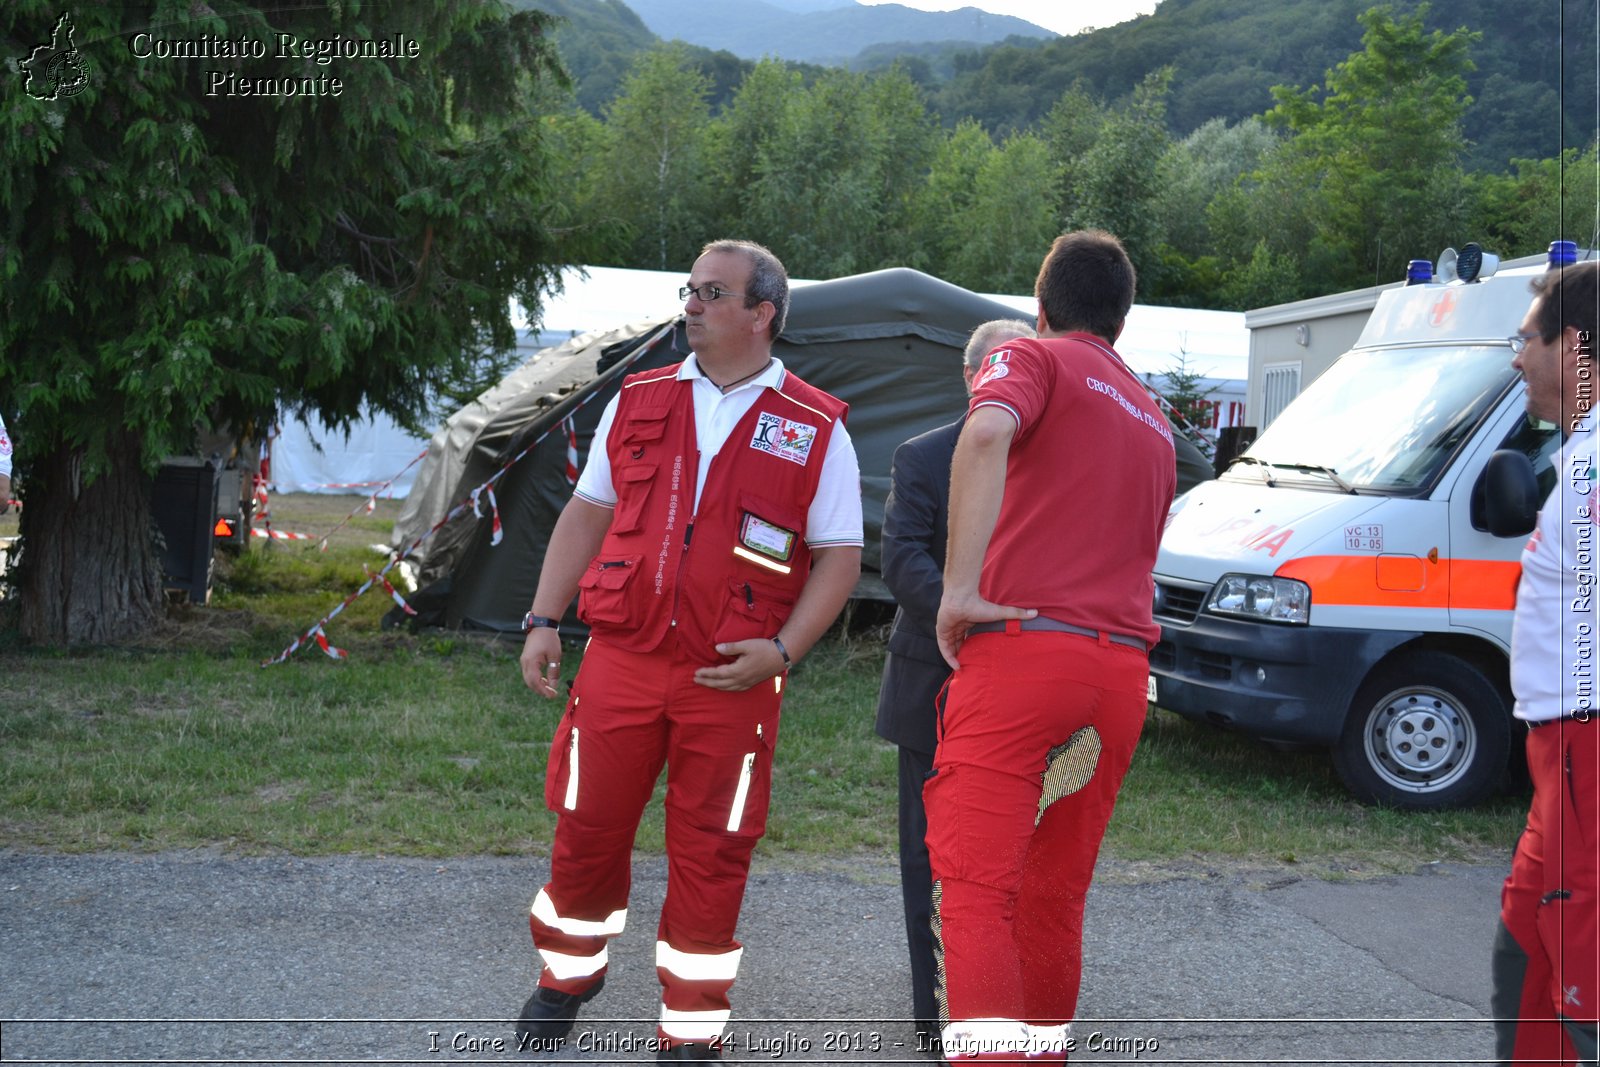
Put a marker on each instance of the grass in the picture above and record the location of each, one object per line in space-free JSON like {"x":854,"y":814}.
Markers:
{"x":429,"y":745}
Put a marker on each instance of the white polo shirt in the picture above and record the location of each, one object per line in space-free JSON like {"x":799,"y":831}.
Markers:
{"x":835,"y":514}
{"x":1555,"y":633}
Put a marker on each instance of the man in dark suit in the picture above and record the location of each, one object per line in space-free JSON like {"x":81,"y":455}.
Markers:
{"x":913,"y":562}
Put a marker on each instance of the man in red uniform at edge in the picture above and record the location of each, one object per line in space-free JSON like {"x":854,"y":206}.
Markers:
{"x":1546,"y":958}
{"x":1058,"y":495}
{"x":713,"y":537}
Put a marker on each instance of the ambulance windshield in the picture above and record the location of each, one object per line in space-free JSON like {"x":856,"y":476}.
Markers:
{"x":1386,"y":420}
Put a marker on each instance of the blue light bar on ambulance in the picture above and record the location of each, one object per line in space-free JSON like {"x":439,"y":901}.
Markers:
{"x":1563,"y":253}
{"x":1419,"y":272}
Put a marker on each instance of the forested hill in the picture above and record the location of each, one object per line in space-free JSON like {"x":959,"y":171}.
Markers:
{"x":1226,"y":55}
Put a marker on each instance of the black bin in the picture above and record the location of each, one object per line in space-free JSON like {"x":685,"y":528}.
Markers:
{"x":184,"y":502}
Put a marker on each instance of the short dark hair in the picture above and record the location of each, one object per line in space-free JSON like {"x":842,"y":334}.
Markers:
{"x":1086,"y":283}
{"x":1569,"y":296}
{"x":769,"y":280}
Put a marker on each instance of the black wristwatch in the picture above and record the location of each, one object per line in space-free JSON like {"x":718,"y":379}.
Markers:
{"x":530,"y":621}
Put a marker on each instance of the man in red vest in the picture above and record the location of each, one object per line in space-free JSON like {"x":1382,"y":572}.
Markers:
{"x":714,"y":535}
{"x":1059,"y":490}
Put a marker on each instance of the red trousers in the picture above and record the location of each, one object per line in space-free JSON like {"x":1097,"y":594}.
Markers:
{"x":1549,"y":905}
{"x":1010,"y":881}
{"x":629,"y":714}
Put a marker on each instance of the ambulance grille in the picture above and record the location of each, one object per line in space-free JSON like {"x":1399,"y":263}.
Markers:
{"x":1178,"y":603}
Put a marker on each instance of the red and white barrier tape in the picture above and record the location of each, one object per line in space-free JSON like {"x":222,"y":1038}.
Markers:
{"x":572,"y":449}
{"x":363,"y":485}
{"x":279,"y":535}
{"x":371,"y":502}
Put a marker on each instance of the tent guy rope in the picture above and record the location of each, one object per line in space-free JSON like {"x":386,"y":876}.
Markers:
{"x":472,"y":502}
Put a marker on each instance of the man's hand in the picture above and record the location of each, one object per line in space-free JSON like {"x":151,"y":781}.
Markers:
{"x":754,"y":661}
{"x":541,"y":661}
{"x":958,"y":614}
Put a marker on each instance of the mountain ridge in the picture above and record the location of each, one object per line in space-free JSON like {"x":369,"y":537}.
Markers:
{"x":801,"y":31}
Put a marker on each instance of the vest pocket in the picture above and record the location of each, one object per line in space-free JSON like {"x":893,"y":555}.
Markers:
{"x":751,"y":610}
{"x":633,"y":492}
{"x":561,"y":774}
{"x":603,"y":589}
{"x":768,"y":534}
{"x":645,"y":424}
{"x":752,"y":792}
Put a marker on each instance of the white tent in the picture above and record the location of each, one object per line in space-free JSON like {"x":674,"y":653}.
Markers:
{"x":307,"y":459}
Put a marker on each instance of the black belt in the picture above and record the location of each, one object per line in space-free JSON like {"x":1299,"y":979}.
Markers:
{"x":1576,"y":716}
{"x":1052,"y":626}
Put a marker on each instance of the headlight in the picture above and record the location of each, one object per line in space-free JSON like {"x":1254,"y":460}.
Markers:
{"x":1257,"y":596}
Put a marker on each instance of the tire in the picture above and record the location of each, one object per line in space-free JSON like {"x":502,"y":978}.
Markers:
{"x":1426,"y":731}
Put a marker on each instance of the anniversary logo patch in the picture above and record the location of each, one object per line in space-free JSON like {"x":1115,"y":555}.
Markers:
{"x":784,"y":438}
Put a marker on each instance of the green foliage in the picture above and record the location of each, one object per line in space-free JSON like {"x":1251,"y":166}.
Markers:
{"x":1519,"y":214}
{"x":1377,"y":155}
{"x":197,"y":256}
{"x":1114,"y":184}
{"x":1227,"y":55}
{"x":1369,"y":171}
{"x":833,"y":174}
{"x":735,"y":142}
{"x":176,"y":256}
{"x":650,"y":156}
{"x":1335,"y":186}
{"x":1211,"y":158}
{"x":999,"y":237}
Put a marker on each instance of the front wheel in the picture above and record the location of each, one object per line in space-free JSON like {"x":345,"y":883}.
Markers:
{"x":1428,"y":731}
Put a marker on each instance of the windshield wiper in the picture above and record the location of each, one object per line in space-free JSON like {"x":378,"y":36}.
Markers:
{"x":1327,"y":472}
{"x":1266,"y":469}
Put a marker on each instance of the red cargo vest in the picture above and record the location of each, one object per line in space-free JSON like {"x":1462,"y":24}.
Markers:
{"x":734,"y":570}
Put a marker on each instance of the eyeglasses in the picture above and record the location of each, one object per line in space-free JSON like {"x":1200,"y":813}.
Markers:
{"x":1519,"y":340}
{"x":706,"y":293}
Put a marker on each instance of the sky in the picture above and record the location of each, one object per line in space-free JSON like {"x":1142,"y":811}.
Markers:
{"x":1062,"y":16}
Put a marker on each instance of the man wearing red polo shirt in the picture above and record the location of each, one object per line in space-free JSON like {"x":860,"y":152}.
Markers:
{"x":1059,"y":492}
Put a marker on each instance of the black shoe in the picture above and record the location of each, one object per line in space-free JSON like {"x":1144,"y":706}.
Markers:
{"x":698,"y":1051}
{"x":550,"y":1013}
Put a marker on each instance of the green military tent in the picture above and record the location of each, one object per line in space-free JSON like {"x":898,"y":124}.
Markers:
{"x":888,"y":343}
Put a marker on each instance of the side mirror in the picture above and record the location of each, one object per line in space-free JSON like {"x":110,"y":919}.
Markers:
{"x":1505,"y":501}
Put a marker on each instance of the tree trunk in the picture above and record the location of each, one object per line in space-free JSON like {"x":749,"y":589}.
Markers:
{"x":89,"y":570}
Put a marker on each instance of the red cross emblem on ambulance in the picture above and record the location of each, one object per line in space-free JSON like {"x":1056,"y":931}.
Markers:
{"x":1444,"y":308}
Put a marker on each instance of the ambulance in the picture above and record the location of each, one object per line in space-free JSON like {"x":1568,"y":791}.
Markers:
{"x":1338,"y":585}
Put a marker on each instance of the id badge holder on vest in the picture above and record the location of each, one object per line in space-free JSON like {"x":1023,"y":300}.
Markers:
{"x":766,"y":544}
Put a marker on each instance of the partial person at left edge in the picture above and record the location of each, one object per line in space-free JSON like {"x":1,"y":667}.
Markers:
{"x":714,"y":535}
{"x":5,"y":468}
